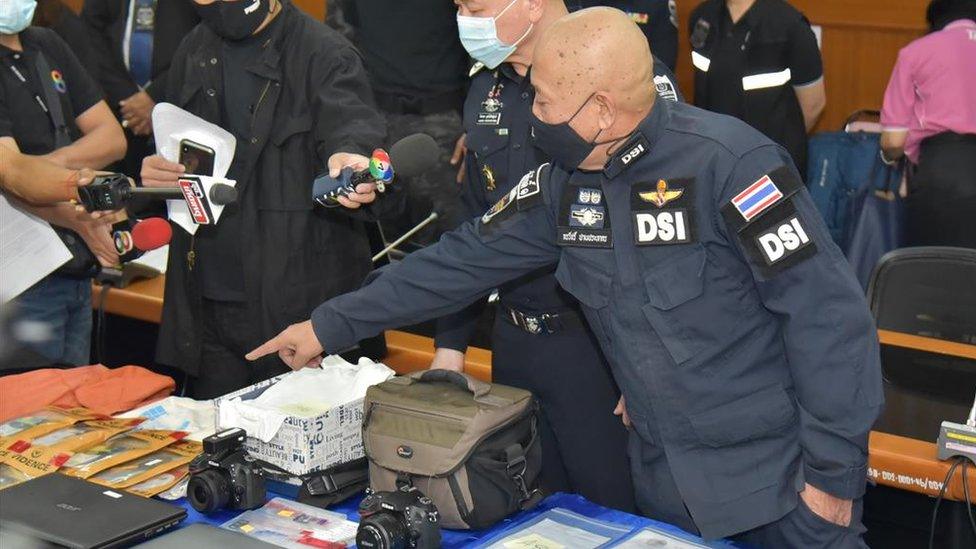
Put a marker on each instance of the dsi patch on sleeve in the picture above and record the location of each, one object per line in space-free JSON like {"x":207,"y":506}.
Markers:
{"x":764,"y":218}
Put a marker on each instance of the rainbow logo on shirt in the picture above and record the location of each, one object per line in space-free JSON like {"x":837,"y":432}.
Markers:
{"x":58,"y":80}
{"x":380,"y":167}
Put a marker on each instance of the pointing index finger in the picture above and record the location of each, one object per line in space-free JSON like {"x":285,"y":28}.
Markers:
{"x":271,"y":346}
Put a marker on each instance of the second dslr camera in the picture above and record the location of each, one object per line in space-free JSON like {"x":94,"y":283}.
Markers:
{"x":224,"y":476}
{"x":398,"y":520}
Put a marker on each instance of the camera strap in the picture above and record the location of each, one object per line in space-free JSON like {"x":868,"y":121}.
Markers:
{"x":46,"y":98}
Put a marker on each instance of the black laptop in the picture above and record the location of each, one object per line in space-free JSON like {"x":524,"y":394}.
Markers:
{"x":76,"y":513}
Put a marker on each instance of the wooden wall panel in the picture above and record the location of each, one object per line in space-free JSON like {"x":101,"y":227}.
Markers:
{"x":861,"y":39}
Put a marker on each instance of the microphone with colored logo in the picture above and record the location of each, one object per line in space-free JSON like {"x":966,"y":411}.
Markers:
{"x":408,"y":157}
{"x":132,"y":239}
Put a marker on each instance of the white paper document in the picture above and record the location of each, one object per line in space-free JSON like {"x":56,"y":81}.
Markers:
{"x":29,"y":250}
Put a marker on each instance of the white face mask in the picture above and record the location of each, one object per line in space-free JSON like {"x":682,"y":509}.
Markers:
{"x":16,"y":15}
{"x":480,"y":37}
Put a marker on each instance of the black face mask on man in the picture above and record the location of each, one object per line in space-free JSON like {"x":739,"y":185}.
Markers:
{"x":561,"y":142}
{"x":234,"y":20}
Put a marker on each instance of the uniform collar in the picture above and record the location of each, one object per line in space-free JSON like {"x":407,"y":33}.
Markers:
{"x":642,"y":141}
{"x":509,"y":72}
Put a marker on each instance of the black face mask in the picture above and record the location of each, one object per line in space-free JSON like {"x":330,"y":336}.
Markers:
{"x":234,"y":20}
{"x":561,"y":142}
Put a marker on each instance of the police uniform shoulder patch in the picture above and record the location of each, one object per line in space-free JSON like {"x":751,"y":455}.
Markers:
{"x":501,"y":205}
{"x":778,"y":241}
{"x":760,"y":196}
{"x":526,"y":194}
{"x":771,"y":231}
{"x":665,"y":87}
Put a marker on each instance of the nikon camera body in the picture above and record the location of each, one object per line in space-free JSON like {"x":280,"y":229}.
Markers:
{"x":402,"y":519}
{"x":224,"y":476}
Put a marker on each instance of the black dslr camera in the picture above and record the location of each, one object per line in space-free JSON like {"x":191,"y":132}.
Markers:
{"x":105,"y":193}
{"x":224,"y":476}
{"x":396,"y":520}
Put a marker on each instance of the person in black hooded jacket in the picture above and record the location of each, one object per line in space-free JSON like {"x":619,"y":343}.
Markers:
{"x":295,"y":95}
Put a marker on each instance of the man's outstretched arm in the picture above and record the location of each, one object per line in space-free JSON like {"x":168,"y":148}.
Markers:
{"x":437,"y":280}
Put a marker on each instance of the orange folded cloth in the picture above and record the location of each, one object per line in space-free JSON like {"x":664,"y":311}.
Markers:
{"x":104,"y":390}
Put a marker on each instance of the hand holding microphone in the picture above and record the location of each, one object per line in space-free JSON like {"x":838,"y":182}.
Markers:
{"x":353,"y":180}
{"x":356,"y":194}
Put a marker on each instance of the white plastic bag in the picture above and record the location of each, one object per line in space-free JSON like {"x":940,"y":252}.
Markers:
{"x":305,"y":393}
{"x":171,"y":125}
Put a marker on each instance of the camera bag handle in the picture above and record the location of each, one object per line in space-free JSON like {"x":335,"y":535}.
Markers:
{"x":478,"y":388}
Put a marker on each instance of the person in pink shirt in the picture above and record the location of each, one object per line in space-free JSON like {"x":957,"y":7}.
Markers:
{"x":929,"y":115}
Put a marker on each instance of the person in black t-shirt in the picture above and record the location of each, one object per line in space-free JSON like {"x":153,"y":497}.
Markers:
{"x":50,"y":106}
{"x":758,"y":60}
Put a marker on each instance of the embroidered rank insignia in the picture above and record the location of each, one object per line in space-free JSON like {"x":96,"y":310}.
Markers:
{"x":586,"y":216}
{"x":489,"y":176}
{"x":584,"y":220}
{"x":493,"y":102}
{"x":756,"y":198}
{"x":590,"y":196}
{"x":661,"y":195}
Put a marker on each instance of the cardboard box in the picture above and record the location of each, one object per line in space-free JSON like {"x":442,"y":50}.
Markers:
{"x":307,"y":444}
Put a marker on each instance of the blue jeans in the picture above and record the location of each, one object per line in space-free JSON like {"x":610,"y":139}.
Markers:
{"x":64,"y":306}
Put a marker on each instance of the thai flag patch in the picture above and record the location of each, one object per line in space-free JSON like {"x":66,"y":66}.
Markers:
{"x":756,"y":198}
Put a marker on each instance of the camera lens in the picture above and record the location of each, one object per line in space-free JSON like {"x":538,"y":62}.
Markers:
{"x":208,"y":491}
{"x":382,"y":531}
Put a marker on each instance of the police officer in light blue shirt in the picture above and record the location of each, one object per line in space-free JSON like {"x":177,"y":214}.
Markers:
{"x":740,"y":339}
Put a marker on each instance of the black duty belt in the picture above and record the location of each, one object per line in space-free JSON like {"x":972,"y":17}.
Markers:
{"x":537,"y":324}
{"x":406,"y":104}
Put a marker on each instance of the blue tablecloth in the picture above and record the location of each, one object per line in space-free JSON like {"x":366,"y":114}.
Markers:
{"x":458,"y":538}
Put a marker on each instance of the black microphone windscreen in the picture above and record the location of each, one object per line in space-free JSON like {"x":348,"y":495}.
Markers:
{"x":414,"y":155}
{"x":221,"y":194}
